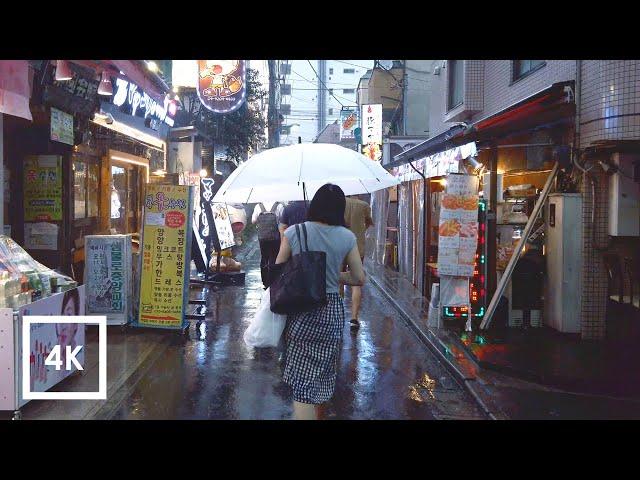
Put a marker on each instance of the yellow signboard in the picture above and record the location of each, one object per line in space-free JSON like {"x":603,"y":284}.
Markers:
{"x":43,"y":188}
{"x":166,"y":239}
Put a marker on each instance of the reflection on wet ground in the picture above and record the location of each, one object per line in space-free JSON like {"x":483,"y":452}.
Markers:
{"x":384,"y":373}
{"x":214,"y":375}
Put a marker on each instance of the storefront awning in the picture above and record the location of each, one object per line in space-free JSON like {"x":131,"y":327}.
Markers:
{"x":15,"y":90}
{"x":438,"y":164}
{"x":433,"y":145}
{"x":548,"y":105}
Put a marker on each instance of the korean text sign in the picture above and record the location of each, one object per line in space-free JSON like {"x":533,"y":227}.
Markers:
{"x":43,"y":188}
{"x":458,"y":227}
{"x":165,"y":255}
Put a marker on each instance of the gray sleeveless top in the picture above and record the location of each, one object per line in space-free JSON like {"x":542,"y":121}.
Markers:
{"x":335,"y":241}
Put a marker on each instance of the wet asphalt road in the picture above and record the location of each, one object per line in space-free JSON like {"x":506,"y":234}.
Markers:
{"x":385,"y":372}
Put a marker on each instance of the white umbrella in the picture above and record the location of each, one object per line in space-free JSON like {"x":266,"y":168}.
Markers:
{"x":284,"y":173}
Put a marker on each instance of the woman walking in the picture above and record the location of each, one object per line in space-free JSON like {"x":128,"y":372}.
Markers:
{"x":314,"y":339}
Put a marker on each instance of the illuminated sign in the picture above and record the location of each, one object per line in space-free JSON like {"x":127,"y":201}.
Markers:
{"x":222,"y":84}
{"x":477,"y":283}
{"x":131,"y":99}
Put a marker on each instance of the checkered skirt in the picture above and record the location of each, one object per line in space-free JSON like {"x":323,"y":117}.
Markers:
{"x":313,"y":342}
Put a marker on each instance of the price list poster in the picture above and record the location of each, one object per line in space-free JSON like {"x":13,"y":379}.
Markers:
{"x":166,"y":253}
{"x":458,"y":227}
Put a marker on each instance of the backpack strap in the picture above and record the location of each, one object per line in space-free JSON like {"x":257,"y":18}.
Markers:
{"x":262,"y":207}
{"x":274,"y":207}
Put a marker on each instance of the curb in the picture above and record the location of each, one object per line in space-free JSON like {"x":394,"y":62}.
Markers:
{"x":437,"y":347}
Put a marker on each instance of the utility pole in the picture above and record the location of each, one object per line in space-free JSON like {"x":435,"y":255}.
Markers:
{"x":272,"y":118}
{"x":322,"y":94}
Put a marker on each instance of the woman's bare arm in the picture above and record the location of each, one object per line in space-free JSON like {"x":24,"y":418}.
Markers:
{"x":285,"y":251}
{"x":355,"y":276}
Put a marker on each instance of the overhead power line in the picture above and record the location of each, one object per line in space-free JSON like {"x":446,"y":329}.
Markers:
{"x":318,"y":77}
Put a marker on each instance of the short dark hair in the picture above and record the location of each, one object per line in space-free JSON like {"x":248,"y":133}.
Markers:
{"x":328,"y":205}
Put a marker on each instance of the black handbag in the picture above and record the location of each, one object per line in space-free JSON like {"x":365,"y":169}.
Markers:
{"x":299,"y":284}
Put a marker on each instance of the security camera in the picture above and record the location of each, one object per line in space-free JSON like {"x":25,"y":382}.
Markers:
{"x":109,"y":119}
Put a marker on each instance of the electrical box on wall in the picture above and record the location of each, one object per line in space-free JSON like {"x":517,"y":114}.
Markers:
{"x":624,"y":198}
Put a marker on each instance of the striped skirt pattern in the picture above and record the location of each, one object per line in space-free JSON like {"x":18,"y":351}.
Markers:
{"x":313,"y":342}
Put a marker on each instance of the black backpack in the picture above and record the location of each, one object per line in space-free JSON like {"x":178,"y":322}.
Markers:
{"x":267,"y":223}
{"x":299,"y":285}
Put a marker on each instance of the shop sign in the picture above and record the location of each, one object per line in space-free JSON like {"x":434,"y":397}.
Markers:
{"x":41,"y":236}
{"x":348,"y":123}
{"x":223,"y":225}
{"x":78,"y":95}
{"x":43,"y":188}
{"x":458,"y":226}
{"x":372,"y":123}
{"x":61,"y":126}
{"x":108,"y":275}
{"x":44,"y":336}
{"x":134,"y":101}
{"x":222,"y":84}
{"x":166,"y":249}
{"x":200,"y":218}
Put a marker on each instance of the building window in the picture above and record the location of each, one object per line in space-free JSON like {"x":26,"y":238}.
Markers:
{"x":331,"y":111}
{"x":86,"y":181}
{"x":349,"y":70}
{"x":456,"y":83}
{"x":331,"y":71}
{"x":522,"y":68}
{"x":350,"y":91}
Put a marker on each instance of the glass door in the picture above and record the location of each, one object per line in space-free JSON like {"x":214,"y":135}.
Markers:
{"x":119,"y":198}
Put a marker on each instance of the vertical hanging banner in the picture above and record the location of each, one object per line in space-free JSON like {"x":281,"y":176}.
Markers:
{"x":43,"y":188}
{"x":166,"y":255}
{"x":372,"y":131}
{"x":458,"y":227}
{"x":222,"y":84}
{"x":348,"y":123}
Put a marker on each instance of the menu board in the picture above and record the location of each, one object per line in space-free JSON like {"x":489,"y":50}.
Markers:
{"x":223,"y":225}
{"x":107,"y":277}
{"x":458,"y":226}
{"x":166,"y":242}
{"x":43,"y":188}
{"x":61,"y":126}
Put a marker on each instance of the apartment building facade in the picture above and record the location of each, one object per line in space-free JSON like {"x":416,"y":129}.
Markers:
{"x":313,"y":92}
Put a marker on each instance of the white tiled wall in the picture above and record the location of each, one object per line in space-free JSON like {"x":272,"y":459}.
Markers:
{"x":610,"y":101}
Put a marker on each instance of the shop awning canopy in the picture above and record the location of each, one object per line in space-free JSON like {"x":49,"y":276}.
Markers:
{"x":431,"y":146}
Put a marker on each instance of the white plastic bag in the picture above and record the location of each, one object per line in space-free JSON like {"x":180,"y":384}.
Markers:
{"x":266,"y":327}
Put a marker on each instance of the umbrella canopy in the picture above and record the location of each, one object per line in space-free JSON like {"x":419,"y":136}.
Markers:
{"x":282,"y":174}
